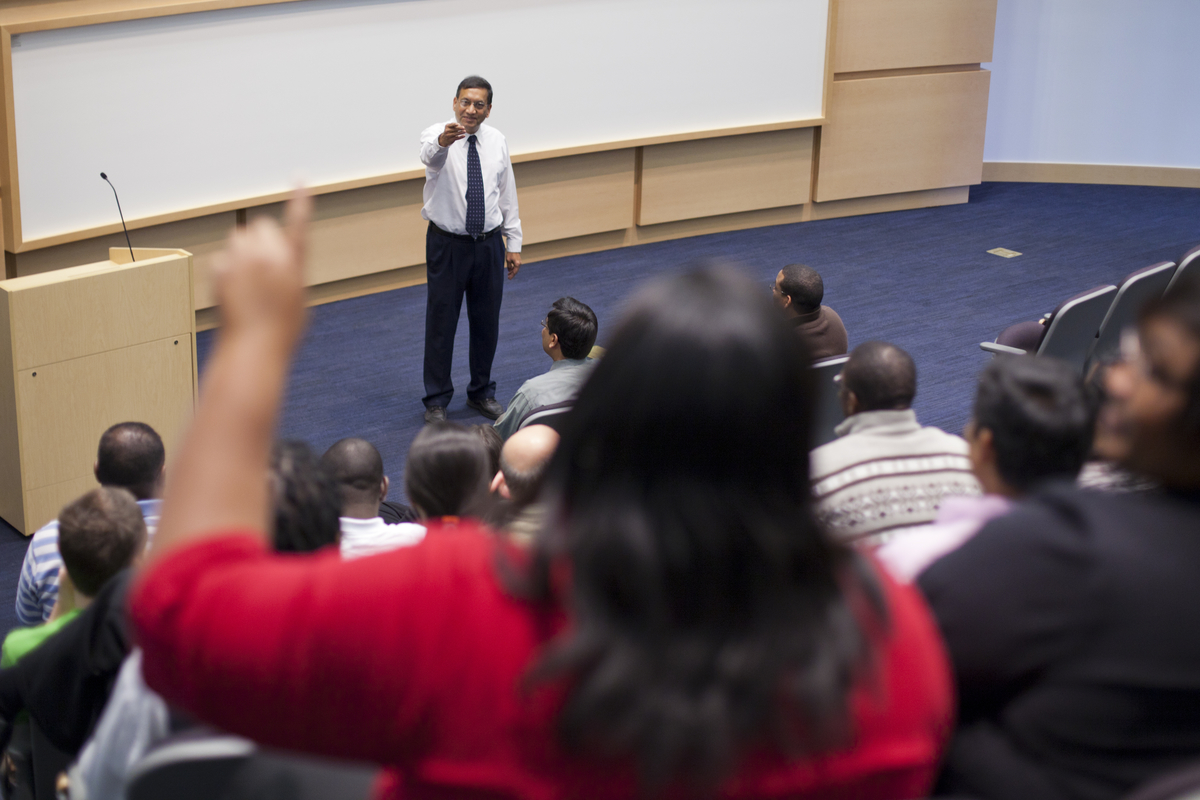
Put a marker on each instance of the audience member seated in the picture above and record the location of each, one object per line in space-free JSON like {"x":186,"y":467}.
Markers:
{"x":65,"y":683}
{"x":1032,"y":423}
{"x":683,"y":625}
{"x":523,"y":464}
{"x":357,"y":469}
{"x":446,"y":474}
{"x":885,"y":472}
{"x":568,"y":333}
{"x":130,"y":457}
{"x":305,"y":504}
{"x":99,"y":535}
{"x":1071,"y":621}
{"x":1103,"y":471}
{"x":799,"y":290}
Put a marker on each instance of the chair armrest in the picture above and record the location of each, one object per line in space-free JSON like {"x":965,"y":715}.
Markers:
{"x":992,"y":347}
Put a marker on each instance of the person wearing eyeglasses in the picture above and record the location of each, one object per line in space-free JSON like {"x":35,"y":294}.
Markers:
{"x":799,"y":290}
{"x":568,"y":334}
{"x":473,"y":239}
{"x":1071,"y":621}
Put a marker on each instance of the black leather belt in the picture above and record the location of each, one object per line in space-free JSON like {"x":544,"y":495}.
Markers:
{"x":465,"y":237}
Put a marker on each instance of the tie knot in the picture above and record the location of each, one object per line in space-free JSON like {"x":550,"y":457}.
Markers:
{"x":471,"y":138}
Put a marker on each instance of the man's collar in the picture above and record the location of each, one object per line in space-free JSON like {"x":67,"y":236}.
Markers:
{"x":801,"y":319}
{"x":890,"y":421}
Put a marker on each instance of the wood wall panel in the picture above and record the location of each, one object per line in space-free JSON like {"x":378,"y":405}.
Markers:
{"x":203,"y":237}
{"x":903,"y":134}
{"x":575,"y":195}
{"x":899,"y":34}
{"x":78,"y":399}
{"x":105,"y":310}
{"x":711,"y":177}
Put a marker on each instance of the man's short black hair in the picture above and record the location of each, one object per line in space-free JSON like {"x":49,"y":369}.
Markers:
{"x":99,"y":535}
{"x":474,"y":82}
{"x":354,"y":465}
{"x":575,"y":326}
{"x":131,"y":456}
{"x":882,"y":376}
{"x":804,"y":285}
{"x":523,"y":485}
{"x":1040,"y":416}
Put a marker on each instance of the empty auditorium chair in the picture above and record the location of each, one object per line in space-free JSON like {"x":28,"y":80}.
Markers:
{"x":189,"y":767}
{"x":1189,"y":262}
{"x":1179,"y":784}
{"x":1071,"y":328}
{"x":1138,"y":287}
{"x":828,"y":412}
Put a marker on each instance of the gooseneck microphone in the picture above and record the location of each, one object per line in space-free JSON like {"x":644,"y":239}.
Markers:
{"x":110,"y":185}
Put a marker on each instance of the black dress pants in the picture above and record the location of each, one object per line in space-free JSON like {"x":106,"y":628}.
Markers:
{"x":456,"y":267}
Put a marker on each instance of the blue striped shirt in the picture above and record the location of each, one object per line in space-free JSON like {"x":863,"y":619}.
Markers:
{"x":38,"y":588}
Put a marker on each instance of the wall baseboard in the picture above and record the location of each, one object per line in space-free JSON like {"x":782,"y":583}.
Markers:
{"x":1015,"y":171}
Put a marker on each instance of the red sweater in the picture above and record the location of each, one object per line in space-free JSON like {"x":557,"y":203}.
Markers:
{"x":412,"y":659}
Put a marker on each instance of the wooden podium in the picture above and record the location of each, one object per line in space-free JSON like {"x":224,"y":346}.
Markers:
{"x":82,"y":349}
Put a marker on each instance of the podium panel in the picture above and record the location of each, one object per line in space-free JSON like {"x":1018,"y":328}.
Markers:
{"x":82,"y":349}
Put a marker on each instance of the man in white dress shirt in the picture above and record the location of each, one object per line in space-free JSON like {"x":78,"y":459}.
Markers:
{"x":474,"y":236}
{"x":357,"y":469}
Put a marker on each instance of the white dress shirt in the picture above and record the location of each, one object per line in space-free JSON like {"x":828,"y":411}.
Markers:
{"x":446,"y":183}
{"x":364,"y":537}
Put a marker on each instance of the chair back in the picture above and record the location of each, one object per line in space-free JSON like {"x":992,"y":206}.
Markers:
{"x":1182,"y":783}
{"x":828,"y":408}
{"x":551,"y":415}
{"x":1138,"y":287}
{"x":1189,"y":262}
{"x":1072,"y":327}
{"x":189,"y":768}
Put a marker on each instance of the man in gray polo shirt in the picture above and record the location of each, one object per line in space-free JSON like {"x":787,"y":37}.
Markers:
{"x":568,"y":334}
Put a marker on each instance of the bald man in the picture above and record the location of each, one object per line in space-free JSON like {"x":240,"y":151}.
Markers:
{"x":357,"y":469}
{"x":523,"y":461}
{"x":885,"y":471}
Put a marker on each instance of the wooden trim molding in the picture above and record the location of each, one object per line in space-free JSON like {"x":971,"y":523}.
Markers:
{"x":895,"y":73}
{"x":1118,"y":174}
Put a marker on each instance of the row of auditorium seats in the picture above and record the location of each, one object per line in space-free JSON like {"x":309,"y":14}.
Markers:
{"x":1085,"y":329}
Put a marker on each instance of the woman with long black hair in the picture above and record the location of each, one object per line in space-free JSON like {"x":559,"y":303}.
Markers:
{"x":681,"y":627}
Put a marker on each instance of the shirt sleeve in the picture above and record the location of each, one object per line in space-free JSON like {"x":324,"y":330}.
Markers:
{"x":508,"y":206}
{"x":1010,"y":603}
{"x":510,"y":420}
{"x":312,"y":653}
{"x":433,"y":155}
{"x":29,"y":610}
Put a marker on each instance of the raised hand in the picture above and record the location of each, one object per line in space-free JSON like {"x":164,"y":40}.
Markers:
{"x":259,"y":278}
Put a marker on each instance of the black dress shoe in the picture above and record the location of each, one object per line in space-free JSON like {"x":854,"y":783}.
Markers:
{"x":435,"y":414}
{"x":487,"y":406}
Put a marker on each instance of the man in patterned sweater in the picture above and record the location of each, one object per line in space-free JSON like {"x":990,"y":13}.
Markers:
{"x":885,"y":471}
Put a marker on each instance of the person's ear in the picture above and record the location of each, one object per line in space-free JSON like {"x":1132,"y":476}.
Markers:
{"x":96,"y":469}
{"x":383,"y":488}
{"x":850,"y":404}
{"x":500,"y":487}
{"x":787,"y":300}
{"x":552,"y":342}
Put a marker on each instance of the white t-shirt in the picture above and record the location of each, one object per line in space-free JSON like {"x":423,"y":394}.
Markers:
{"x":364,"y":537}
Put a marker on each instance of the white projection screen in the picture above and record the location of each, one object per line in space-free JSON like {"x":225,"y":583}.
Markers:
{"x":194,"y":110}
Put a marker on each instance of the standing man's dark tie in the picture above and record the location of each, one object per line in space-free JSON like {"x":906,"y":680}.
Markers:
{"x":474,"y":189}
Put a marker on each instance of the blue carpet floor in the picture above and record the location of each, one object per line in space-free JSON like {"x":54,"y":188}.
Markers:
{"x":921,"y":279}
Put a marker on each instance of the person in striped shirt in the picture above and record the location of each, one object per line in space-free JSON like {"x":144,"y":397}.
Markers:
{"x":130,"y":456}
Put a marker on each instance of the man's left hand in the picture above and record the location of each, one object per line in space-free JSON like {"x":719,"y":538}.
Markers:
{"x":512,"y":263}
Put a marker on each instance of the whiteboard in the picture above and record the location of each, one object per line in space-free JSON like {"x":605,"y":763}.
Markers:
{"x":194,"y":110}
